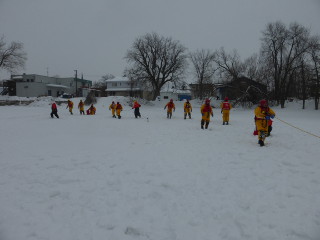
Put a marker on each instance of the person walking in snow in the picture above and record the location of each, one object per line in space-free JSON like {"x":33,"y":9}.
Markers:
{"x":136,"y":106}
{"x":81,"y":107}
{"x":91,"y":110}
{"x":225,"y":110}
{"x":187,"y":109}
{"x":262,"y":115}
{"x":170,"y":106}
{"x":119,"y":108}
{"x":54,"y":110}
{"x":70,"y":106}
{"x":112,"y":107}
{"x":206,"y":111}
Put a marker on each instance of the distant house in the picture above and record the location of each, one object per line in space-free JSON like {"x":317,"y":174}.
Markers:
{"x":208,"y":90}
{"x":123,"y":86}
{"x":170,"y":92}
{"x":32,"y":85}
{"x":238,"y":87}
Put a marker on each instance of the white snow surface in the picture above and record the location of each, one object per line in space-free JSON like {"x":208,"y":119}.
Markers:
{"x":95,"y":177}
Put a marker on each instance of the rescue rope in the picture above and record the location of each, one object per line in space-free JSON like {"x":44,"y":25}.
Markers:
{"x":298,"y":128}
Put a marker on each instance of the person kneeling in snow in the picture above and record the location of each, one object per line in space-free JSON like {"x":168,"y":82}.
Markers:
{"x":136,"y":107}
{"x":206,"y":111}
{"x":91,"y":110}
{"x":262,"y":115}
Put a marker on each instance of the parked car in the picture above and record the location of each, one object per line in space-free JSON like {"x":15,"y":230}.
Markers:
{"x":66,"y":95}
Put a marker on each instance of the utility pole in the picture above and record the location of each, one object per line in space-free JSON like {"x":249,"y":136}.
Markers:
{"x":76,"y":71}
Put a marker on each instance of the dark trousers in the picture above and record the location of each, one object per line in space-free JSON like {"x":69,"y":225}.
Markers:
{"x":206,"y":123}
{"x":54,"y":112}
{"x":137,"y":112}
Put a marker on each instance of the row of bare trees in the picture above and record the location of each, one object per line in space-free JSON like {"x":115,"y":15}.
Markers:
{"x":288,"y":63}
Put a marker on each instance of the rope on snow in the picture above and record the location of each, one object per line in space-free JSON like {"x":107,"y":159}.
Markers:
{"x":298,"y":128}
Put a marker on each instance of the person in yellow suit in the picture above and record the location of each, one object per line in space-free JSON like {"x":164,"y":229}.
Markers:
{"x":119,"y":109}
{"x":70,"y":106}
{"x":225,"y":110}
{"x":262,"y":115}
{"x":187,"y":109}
{"x":81,"y":107}
{"x":170,"y":106}
{"x":206,"y":111}
{"x":112,"y":107}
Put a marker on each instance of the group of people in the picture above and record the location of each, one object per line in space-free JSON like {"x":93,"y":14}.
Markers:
{"x":263,"y":114}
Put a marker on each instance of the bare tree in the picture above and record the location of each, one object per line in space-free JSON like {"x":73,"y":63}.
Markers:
{"x":282,"y":48}
{"x":12,"y":56}
{"x":229,"y":65}
{"x":202,"y":61}
{"x":156,"y":60}
{"x":314,"y":52}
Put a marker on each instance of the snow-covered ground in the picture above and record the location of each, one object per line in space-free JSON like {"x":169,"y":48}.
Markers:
{"x":95,"y":177}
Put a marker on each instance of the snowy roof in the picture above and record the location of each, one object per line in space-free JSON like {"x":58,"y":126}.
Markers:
{"x":118,"y":79}
{"x":57,"y":86}
{"x":122,"y":89}
{"x":17,"y":77}
{"x":176,"y":91}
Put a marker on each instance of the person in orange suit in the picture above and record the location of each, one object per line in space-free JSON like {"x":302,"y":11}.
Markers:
{"x":91,"y":110}
{"x":112,"y":107}
{"x":225,"y":110}
{"x":119,"y":108}
{"x":81,"y":107}
{"x":70,"y":106}
{"x":262,"y":115}
{"x":170,"y":106}
{"x":206,"y":111}
{"x":187,"y":109}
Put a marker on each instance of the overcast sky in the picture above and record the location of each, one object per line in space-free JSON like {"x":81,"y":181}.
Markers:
{"x":93,"y":36}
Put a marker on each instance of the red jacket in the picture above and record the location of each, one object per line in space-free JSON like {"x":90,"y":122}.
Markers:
{"x":54,"y":106}
{"x":136,"y":105}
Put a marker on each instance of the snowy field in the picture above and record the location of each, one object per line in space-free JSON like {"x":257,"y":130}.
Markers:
{"x":95,"y":177}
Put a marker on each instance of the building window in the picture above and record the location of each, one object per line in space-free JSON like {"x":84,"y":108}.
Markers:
{"x":49,"y":92}
{"x":165,"y":97}
{"x":114,"y":84}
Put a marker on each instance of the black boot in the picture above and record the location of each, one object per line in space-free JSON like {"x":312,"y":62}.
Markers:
{"x":223,"y":123}
{"x":202,"y":123}
{"x":227,"y":123}
{"x":261,"y":143}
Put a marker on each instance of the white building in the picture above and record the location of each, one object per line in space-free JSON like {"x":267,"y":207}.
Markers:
{"x":122,"y":86}
{"x":32,"y":85}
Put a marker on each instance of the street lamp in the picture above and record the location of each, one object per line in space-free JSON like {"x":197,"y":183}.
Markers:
{"x":76,"y":71}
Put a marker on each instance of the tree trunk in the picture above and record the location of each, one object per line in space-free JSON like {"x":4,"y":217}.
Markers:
{"x":156,"y":93}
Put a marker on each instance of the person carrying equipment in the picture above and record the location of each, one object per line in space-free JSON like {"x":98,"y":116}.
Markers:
{"x":81,"y":107}
{"x":262,"y":115}
{"x":206,"y":111}
{"x":225,"y":110}
{"x":70,"y":106}
{"x":119,"y":109}
{"x":136,"y":107}
{"x":112,"y":107}
{"x":54,"y":110}
{"x":91,"y":110}
{"x":187,"y":109}
{"x":170,"y":105}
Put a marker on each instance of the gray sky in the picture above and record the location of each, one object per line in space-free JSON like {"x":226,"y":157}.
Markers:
{"x":93,"y":36}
